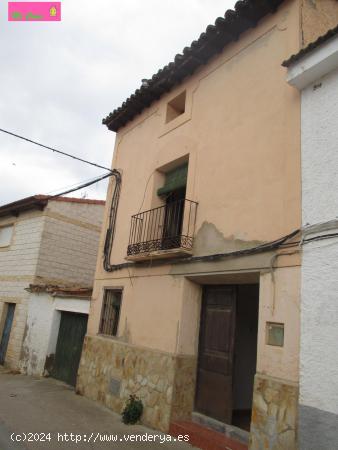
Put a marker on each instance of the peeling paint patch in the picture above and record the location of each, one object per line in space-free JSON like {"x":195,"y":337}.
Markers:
{"x":209,"y":240}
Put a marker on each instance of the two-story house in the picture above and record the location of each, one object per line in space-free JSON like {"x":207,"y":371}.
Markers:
{"x":48,"y":251}
{"x":196,"y":298}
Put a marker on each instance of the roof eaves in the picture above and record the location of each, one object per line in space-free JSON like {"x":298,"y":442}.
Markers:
{"x":33,"y":202}
{"x":245,"y":15}
{"x":40,"y":202}
{"x":309,"y":48}
{"x":90,"y":201}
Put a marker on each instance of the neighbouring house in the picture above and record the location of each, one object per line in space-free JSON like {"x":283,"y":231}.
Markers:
{"x":48,"y":252}
{"x":56,"y":325}
{"x":195,"y":305}
{"x":314,"y":72}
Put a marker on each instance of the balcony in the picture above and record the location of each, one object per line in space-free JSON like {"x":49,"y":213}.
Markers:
{"x":163,"y":232}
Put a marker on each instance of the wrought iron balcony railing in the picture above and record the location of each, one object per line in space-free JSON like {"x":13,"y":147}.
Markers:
{"x":170,"y":226}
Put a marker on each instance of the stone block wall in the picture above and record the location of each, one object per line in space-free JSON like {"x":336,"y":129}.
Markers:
{"x":274,"y":414}
{"x":17,"y":269}
{"x":111,"y":370}
{"x":57,"y":245}
{"x":69,"y":244}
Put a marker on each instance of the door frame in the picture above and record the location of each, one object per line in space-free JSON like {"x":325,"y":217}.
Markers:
{"x":57,"y":369}
{"x":7,"y":326}
{"x":232,"y":290}
{"x":215,"y":422}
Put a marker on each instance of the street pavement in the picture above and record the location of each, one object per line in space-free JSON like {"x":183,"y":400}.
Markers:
{"x":48,"y":415}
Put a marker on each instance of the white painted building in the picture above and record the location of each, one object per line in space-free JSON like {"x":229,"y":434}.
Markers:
{"x":51,"y":243}
{"x":47,"y":305}
{"x":314,"y":72}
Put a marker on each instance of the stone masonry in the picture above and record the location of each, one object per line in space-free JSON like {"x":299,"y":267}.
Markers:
{"x":274,"y":415}
{"x":111,"y":370}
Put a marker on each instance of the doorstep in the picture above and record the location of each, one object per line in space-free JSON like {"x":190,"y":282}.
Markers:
{"x":205,"y":438}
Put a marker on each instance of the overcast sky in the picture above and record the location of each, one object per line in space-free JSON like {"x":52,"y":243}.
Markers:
{"x":58,"y":80}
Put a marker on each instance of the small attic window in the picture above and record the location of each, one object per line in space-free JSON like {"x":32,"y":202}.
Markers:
{"x":176,"y":107}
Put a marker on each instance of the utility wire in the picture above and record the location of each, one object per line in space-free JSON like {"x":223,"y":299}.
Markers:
{"x":83,"y":185}
{"x":69,"y":186}
{"x":54,"y":150}
{"x":89,"y":183}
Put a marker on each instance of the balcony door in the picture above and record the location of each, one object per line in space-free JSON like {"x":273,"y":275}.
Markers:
{"x":173,"y":219}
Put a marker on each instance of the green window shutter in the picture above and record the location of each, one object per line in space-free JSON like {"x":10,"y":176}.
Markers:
{"x":175,"y":179}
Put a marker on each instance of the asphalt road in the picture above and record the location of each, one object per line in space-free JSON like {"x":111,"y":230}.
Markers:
{"x":47,"y":414}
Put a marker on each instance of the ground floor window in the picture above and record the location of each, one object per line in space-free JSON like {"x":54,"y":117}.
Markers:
{"x":110,"y":312}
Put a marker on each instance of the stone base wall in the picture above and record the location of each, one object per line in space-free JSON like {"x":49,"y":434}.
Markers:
{"x":111,"y":370}
{"x":274,"y":414}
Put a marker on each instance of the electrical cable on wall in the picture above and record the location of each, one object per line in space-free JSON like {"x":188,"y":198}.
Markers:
{"x":110,"y":233}
{"x":281,"y":243}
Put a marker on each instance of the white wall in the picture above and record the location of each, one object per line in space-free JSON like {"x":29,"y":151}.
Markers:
{"x":319,"y":326}
{"x":319,"y":318}
{"x":319,"y":150}
{"x":316,"y":74}
{"x":43,"y":323}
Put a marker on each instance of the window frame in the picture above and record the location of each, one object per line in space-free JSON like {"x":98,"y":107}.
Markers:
{"x":116,"y":320}
{"x":8,"y":225}
{"x":176,"y":107}
{"x":182,"y":118}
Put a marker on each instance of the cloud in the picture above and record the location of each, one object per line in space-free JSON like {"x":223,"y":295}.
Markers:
{"x":58,"y":80}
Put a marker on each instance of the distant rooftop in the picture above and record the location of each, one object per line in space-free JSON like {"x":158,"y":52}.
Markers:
{"x":312,"y":46}
{"x":39,"y":202}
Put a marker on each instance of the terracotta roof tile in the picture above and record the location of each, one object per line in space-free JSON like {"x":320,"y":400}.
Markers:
{"x":226,"y":29}
{"x":312,"y":46}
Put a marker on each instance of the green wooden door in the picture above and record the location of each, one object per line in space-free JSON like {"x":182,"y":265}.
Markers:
{"x":72,"y":331}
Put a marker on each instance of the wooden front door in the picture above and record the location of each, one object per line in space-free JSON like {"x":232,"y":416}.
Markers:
{"x":215,"y":355}
{"x":72,"y":331}
{"x":6,"y":331}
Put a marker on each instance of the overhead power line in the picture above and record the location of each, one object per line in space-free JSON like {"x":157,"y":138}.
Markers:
{"x":81,"y":186}
{"x":69,"y":186}
{"x":54,"y":150}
